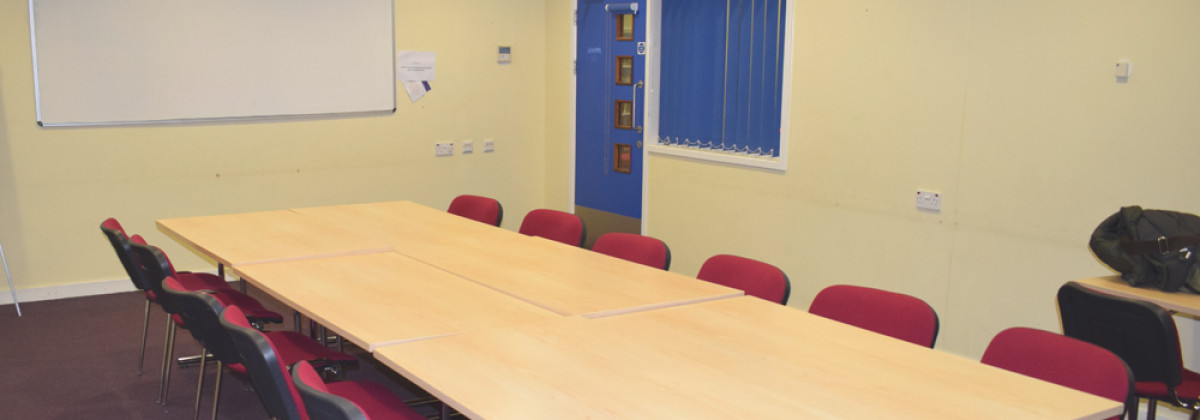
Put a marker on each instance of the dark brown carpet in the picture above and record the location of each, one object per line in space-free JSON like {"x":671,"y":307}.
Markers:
{"x":77,"y":359}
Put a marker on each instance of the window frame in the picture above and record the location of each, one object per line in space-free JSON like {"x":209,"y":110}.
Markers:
{"x":651,"y":113}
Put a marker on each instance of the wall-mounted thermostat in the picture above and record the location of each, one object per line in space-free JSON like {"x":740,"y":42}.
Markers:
{"x":504,"y":55}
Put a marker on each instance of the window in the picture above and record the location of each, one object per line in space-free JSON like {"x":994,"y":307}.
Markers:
{"x":624,"y":114}
{"x":723,"y":79}
{"x":624,"y":69}
{"x":624,"y":27}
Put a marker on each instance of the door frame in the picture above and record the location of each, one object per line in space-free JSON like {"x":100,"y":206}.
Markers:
{"x":650,"y":100}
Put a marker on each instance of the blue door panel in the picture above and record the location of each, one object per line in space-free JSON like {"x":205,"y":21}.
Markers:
{"x":597,"y":185}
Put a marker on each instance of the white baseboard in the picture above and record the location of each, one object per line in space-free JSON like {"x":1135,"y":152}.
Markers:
{"x":69,"y":291}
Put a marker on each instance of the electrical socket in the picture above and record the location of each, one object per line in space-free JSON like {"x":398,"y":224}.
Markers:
{"x":444,"y":149}
{"x":489,"y":145}
{"x":928,"y":200}
{"x":468,"y":147}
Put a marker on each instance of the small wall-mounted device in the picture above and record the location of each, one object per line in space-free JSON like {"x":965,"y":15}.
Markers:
{"x":504,"y":54}
{"x":1123,"y":69}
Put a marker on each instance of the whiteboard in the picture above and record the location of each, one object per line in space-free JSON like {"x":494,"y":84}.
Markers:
{"x":111,"y":62}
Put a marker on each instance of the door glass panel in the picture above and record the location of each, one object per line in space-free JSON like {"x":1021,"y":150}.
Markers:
{"x":625,"y":27}
{"x":624,"y":114}
{"x":622,"y":155}
{"x":624,"y":70}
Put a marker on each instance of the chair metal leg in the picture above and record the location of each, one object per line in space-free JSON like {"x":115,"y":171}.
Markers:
{"x":1151,"y":408}
{"x":166,"y":360}
{"x":188,"y":361}
{"x":217,"y":392}
{"x":166,"y":380}
{"x":200,"y":385}
{"x":145,"y":329}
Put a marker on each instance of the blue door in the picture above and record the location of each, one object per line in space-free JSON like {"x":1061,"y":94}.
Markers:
{"x":610,"y":64}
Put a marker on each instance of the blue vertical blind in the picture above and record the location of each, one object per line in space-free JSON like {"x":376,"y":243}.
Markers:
{"x":722,"y":73}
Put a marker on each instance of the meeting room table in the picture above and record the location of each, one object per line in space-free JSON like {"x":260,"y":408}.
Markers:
{"x":733,"y":358}
{"x":500,"y":325}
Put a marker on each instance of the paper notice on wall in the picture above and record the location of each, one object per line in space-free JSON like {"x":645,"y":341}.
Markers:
{"x":415,"y":65}
{"x":416,"y":88}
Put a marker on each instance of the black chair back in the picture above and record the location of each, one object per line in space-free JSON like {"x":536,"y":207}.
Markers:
{"x":1140,"y":333}
{"x":155,"y":268}
{"x":200,"y":312}
{"x":120,"y":243}
{"x":267,"y":373}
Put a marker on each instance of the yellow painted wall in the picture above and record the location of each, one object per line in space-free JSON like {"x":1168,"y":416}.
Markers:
{"x":57,"y":185}
{"x":559,"y":97}
{"x":1008,"y":108}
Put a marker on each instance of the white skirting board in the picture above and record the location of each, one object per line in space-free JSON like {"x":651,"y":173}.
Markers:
{"x":70,"y":291}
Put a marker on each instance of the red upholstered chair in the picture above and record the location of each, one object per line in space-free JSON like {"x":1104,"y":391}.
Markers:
{"x":1061,"y":360}
{"x":637,"y":248}
{"x":754,"y":277}
{"x":203,"y":281}
{"x":481,"y":209}
{"x":269,"y":373}
{"x":200,"y":312}
{"x":554,"y":225}
{"x":120,"y":242}
{"x":1140,"y":333}
{"x":347,"y":400}
{"x":892,"y":314}
{"x":155,"y":268}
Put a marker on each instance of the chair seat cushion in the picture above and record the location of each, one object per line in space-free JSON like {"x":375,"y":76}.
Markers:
{"x":253,"y":308}
{"x":237,"y":368}
{"x":294,"y":347}
{"x":1189,"y":389}
{"x":201,"y":281}
{"x":375,"y":400}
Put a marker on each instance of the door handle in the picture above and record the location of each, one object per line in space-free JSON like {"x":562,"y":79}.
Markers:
{"x":636,"y":86}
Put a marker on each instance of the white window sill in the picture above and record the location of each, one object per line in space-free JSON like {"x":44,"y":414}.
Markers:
{"x":741,"y":159}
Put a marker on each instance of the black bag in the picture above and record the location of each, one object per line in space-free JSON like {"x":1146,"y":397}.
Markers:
{"x":1151,"y":248}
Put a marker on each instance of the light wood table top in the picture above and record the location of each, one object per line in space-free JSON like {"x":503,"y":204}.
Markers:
{"x":565,"y":279}
{"x":406,"y":223}
{"x":1183,"y":302}
{"x":269,"y":236}
{"x":387,"y":298}
{"x":733,"y":358}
